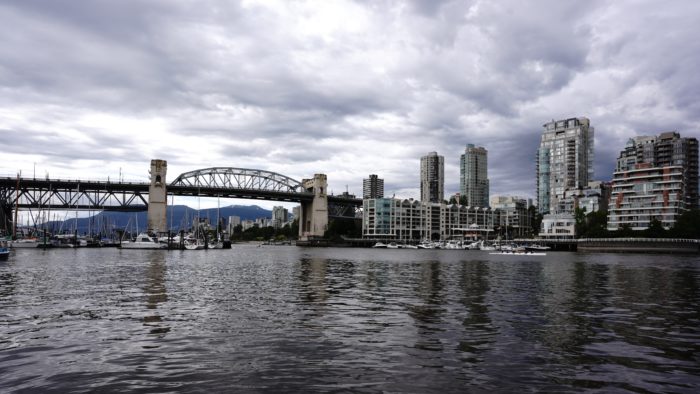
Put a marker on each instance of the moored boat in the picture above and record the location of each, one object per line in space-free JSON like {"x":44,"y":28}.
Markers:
{"x":143,"y":241}
{"x":4,"y":251}
{"x":25,"y":243}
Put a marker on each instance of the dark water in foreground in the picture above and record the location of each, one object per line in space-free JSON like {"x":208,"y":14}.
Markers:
{"x":287,"y":319}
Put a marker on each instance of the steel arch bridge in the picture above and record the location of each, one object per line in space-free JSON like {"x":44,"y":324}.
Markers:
{"x":238,"y":178}
{"x":224,"y":182}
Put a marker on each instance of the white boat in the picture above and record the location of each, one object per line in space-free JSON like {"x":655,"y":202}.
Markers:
{"x":379,"y":245}
{"x":216,"y":244}
{"x":483,"y":246}
{"x":392,"y":245}
{"x":143,"y":241}
{"x":25,"y":243}
{"x":407,"y":246}
{"x":537,"y":248}
{"x":520,"y":253}
{"x":194,"y":244}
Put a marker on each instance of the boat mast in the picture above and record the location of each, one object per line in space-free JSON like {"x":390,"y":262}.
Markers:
{"x":14,"y":223}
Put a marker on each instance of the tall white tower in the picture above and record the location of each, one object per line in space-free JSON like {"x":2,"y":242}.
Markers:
{"x":157,"y":197}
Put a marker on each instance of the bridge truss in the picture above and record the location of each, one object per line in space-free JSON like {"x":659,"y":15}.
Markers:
{"x":224,"y":182}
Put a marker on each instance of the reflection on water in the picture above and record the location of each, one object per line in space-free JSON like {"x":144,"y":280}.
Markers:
{"x":283,"y":319}
{"x":156,"y":293}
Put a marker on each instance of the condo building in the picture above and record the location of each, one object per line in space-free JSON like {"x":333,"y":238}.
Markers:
{"x":372,"y":187}
{"x":280,"y":216}
{"x":432,"y":178}
{"x":473,"y":179}
{"x":412,"y":220}
{"x":656,"y":178}
{"x":564,"y":162}
{"x":513,"y":216}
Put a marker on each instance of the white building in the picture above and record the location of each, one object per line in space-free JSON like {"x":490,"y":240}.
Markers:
{"x":558,"y":226}
{"x":656,"y":179}
{"x":405,"y":220}
{"x":280,"y":216}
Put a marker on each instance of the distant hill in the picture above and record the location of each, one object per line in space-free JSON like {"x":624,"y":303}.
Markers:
{"x":179,"y":217}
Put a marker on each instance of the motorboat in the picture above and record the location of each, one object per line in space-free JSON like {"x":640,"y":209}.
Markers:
{"x":4,"y":251}
{"x":379,"y":245}
{"x":392,"y":245}
{"x":537,"y":248}
{"x":143,"y":241}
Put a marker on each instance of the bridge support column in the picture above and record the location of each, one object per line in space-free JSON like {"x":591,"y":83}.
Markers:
{"x":6,"y":222}
{"x":157,"y":197}
{"x":313,"y":222}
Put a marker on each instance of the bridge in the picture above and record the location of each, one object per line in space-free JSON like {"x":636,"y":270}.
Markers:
{"x":223,"y":182}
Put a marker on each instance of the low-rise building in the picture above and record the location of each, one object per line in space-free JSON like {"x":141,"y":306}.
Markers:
{"x":513,"y":217}
{"x":412,"y":220}
{"x":558,"y":226}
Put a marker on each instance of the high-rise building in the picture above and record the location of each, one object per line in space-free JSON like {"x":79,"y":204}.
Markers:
{"x":655,"y":178}
{"x":564,"y":162}
{"x":279,"y":216}
{"x":432,"y":178}
{"x":473,"y":176}
{"x":373,"y":187}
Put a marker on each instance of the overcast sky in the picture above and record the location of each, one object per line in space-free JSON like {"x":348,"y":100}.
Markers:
{"x":345,"y":88}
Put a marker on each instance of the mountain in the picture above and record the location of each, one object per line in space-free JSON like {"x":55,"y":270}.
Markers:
{"x":179,"y":217}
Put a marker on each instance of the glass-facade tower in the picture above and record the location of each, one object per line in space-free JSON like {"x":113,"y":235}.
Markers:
{"x":564,"y":161}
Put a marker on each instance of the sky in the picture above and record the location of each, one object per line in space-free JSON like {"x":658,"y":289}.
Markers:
{"x":96,"y":89}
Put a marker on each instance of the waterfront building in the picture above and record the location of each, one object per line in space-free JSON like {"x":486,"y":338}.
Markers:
{"x":372,"y":187}
{"x":594,"y":197}
{"x":655,"y":178}
{"x":280,"y":216}
{"x":558,"y":226}
{"x":473,"y":176}
{"x":432,"y":178}
{"x":412,"y":220}
{"x":564,"y":161}
{"x":512,"y":216}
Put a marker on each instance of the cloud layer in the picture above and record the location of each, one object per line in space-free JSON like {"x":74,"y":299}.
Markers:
{"x":345,"y":88}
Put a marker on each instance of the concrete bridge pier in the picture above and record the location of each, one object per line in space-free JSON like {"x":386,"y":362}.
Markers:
{"x":157,"y":197}
{"x":313,"y":222}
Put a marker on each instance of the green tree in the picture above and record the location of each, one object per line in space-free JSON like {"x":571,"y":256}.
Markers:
{"x":581,"y":223}
{"x":655,"y":229}
{"x":687,"y":225}
{"x":535,"y":219}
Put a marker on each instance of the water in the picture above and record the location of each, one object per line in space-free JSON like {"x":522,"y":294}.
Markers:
{"x":288,"y":319}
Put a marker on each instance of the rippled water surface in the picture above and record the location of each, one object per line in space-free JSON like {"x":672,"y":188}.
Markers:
{"x":288,"y":319}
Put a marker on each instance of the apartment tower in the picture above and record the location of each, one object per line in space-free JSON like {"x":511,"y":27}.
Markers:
{"x":372,"y":187}
{"x":656,"y":178}
{"x":473,"y":176}
{"x":564,"y":162}
{"x":432,"y":178}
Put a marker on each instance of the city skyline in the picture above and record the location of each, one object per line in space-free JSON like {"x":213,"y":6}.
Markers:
{"x":345,"y":88}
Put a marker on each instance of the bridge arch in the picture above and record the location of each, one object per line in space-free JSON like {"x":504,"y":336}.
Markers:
{"x":238,"y":178}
